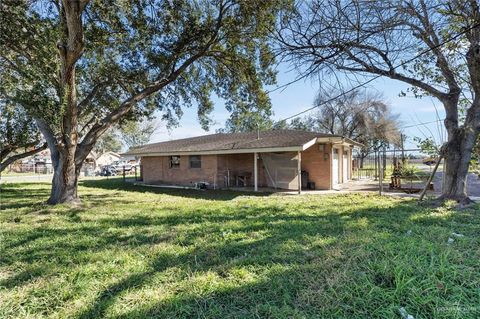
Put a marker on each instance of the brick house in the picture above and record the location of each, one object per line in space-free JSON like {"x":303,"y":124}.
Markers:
{"x":281,"y":159}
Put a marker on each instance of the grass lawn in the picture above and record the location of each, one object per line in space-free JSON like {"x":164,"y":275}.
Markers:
{"x":132,"y":252}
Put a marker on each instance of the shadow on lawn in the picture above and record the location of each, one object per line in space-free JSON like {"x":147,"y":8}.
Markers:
{"x":20,"y":195}
{"x":220,"y":258}
{"x":285,"y":239}
{"x":118,"y":184}
{"x":279,"y":290}
{"x":307,"y":279}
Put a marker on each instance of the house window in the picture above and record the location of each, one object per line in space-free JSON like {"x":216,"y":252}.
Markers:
{"x":195,"y":161}
{"x":174,"y":161}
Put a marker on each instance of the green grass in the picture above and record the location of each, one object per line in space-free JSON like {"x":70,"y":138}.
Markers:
{"x":132,"y":252}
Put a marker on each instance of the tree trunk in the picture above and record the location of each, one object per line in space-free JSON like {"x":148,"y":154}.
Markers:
{"x":458,"y":153}
{"x":65,"y":179}
{"x":70,"y":49}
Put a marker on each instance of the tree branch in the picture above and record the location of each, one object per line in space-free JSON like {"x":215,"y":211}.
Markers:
{"x":90,"y":96}
{"x":16,"y":157}
{"x":99,"y":128}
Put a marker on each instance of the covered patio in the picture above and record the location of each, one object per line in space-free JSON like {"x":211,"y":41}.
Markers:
{"x":280,"y":160}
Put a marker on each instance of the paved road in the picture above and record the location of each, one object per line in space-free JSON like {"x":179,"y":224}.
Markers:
{"x":473,"y":184}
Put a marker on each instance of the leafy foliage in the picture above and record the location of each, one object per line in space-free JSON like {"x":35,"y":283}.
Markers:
{"x":249,"y":119}
{"x":19,"y":136}
{"x":428,"y":146}
{"x":80,"y":67}
{"x":108,"y":142}
{"x":17,"y":129}
{"x":130,"y":48}
{"x":137,"y":133}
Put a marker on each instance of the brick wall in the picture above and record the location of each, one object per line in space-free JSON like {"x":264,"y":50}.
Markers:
{"x":156,"y":169}
{"x":317,"y":165}
{"x":216,"y":168}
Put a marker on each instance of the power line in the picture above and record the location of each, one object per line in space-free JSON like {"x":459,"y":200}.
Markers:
{"x":415,"y":125}
{"x":379,"y":76}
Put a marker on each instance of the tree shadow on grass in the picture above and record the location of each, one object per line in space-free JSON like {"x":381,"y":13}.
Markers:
{"x":118,"y":184}
{"x":285,"y":239}
{"x":222,"y":256}
{"x":21,"y":195}
{"x":22,"y":277}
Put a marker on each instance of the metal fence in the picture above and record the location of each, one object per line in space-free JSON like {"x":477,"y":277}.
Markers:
{"x":134,"y":171}
{"x":406,"y":171}
{"x":32,"y":169}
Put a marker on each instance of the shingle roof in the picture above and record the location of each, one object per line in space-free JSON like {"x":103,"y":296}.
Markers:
{"x":231,"y":141}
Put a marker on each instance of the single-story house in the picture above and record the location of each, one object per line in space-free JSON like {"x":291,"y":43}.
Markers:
{"x":107,"y":158}
{"x":281,"y":159}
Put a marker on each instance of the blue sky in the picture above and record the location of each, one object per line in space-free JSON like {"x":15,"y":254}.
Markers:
{"x":300,"y":96}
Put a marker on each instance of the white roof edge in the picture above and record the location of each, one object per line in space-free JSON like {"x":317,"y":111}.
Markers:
{"x":338,"y":139}
{"x":309,"y":143}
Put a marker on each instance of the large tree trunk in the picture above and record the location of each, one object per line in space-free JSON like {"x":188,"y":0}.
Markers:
{"x":70,"y":48}
{"x":458,"y":153}
{"x":65,"y":179}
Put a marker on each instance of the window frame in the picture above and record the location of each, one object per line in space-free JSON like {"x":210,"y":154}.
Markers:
{"x":171,"y":163}
{"x":199,"y":160}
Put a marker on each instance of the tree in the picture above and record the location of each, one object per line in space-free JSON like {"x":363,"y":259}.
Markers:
{"x":434,"y":46}
{"x":248,"y":119}
{"x":363,"y":117}
{"x":81,"y":67}
{"x":19,"y":137}
{"x":108,"y":142}
{"x":137,"y":133}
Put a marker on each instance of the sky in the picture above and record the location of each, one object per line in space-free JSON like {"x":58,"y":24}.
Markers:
{"x":300,"y":96}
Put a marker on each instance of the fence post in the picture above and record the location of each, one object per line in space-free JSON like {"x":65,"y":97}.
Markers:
{"x":135,"y":172}
{"x":124,"y":173}
{"x":384,"y":158}
{"x":380,"y":178}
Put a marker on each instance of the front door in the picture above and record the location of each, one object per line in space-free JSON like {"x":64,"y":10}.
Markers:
{"x":335,"y":167}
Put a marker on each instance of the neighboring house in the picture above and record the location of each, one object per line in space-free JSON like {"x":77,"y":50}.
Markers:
{"x":284,"y":159}
{"x":90,"y":162}
{"x":42,"y":163}
{"x":107,"y":158}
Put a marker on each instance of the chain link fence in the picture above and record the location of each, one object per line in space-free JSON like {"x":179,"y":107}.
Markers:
{"x":401,"y":170}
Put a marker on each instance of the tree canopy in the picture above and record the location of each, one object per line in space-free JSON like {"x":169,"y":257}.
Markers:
{"x":137,"y":133}
{"x":79,"y":67}
{"x":19,"y":136}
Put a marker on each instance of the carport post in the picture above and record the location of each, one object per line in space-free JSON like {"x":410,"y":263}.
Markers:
{"x":255,"y":171}
{"x":299,"y":172}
